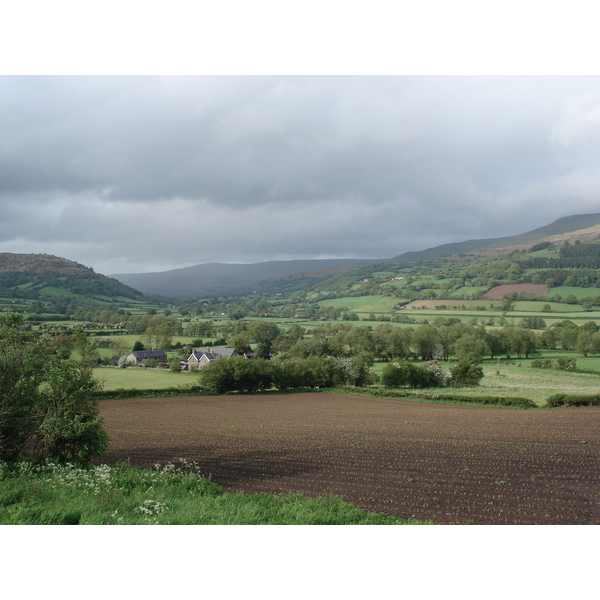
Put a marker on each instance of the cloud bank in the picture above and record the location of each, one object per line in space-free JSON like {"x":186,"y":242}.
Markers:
{"x":139,"y":174}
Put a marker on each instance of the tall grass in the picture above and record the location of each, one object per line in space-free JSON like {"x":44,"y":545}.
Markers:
{"x":52,"y":494}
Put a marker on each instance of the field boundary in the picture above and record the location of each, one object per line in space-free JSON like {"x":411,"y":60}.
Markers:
{"x":433,"y":398}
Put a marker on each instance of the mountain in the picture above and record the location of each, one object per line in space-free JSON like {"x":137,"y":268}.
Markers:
{"x":35,"y":276}
{"x":584,"y":228}
{"x":214,"y":279}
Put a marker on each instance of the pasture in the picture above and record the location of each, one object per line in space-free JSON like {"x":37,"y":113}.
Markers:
{"x":516,"y":379}
{"x":446,"y":463}
{"x":363,"y":304}
{"x":114,"y":378}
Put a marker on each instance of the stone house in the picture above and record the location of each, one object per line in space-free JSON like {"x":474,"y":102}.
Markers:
{"x":139,"y":357}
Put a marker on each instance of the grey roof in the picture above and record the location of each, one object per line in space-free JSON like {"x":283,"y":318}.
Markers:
{"x":219,"y":351}
{"x":148,"y":353}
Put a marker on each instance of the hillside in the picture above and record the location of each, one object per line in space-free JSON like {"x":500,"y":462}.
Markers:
{"x":216,"y":279}
{"x":39,"y":276}
{"x":584,"y":228}
{"x":213,"y":279}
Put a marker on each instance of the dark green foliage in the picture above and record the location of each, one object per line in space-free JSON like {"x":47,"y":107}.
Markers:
{"x":532,"y":323}
{"x":322,"y":372}
{"x":562,"y":364}
{"x":46,"y":403}
{"x":404,"y":373}
{"x":289,"y":374}
{"x":441,"y":397}
{"x":237,"y":374}
{"x":573,"y":400}
{"x":540,"y":246}
{"x":465,"y":373}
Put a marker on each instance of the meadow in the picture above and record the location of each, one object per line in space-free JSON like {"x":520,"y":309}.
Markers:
{"x":114,"y":378}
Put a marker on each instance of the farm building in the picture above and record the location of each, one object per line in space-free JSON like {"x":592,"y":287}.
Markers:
{"x":202,"y":356}
{"x":139,"y":357}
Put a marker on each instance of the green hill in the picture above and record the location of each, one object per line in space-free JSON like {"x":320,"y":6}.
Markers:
{"x":584,"y":228}
{"x":42,"y":276}
{"x":276,"y":277}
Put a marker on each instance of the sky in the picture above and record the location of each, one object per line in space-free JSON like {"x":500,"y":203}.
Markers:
{"x":148,"y":172}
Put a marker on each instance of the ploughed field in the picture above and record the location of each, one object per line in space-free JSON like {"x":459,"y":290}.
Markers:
{"x":447,"y":463}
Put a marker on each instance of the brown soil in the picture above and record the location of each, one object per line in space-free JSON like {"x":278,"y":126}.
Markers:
{"x":497,"y":293}
{"x":447,"y":463}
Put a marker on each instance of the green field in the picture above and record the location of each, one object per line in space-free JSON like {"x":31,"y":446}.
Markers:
{"x":517,"y":379}
{"x":132,"y":378}
{"x":578,"y":292}
{"x":363,"y":304}
{"x":468,"y":291}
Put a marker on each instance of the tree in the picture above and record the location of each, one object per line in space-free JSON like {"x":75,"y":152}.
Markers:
{"x":472,"y":346}
{"x":88,"y":353}
{"x":357,"y":369}
{"x":288,"y":374}
{"x":159,"y":335}
{"x":46,"y":403}
{"x":241,"y":342}
{"x":425,"y":340}
{"x":264,"y":333}
{"x":200,"y":328}
{"x":404,"y":373}
{"x":466,"y":372}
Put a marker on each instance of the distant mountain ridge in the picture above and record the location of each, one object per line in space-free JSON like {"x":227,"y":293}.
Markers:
{"x":572,"y":228}
{"x":213,"y":279}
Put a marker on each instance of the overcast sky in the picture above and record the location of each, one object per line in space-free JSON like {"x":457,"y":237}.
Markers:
{"x":137,"y":174}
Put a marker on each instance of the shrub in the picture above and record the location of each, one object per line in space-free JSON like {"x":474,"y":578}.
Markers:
{"x":45,"y":402}
{"x":404,"y":373}
{"x":288,"y":374}
{"x":466,"y":373}
{"x":573,"y":400}
{"x":566,"y":364}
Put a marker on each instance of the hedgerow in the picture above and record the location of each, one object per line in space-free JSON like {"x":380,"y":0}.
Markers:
{"x":573,"y":400}
{"x":439,"y":397}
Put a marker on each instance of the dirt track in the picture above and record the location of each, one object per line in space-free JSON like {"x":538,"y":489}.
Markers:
{"x":451,"y":464}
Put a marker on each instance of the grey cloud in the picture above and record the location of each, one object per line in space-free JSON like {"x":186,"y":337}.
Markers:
{"x":256,"y":168}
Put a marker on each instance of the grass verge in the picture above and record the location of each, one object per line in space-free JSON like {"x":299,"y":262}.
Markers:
{"x":52,"y":494}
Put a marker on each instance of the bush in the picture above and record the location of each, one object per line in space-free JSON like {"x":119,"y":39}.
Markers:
{"x":288,"y":374}
{"x":466,"y":373}
{"x":237,"y":374}
{"x":404,"y":373}
{"x":46,"y":403}
{"x":573,"y":400}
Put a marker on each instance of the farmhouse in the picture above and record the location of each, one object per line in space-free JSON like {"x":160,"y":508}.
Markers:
{"x":139,"y":357}
{"x":202,"y":356}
